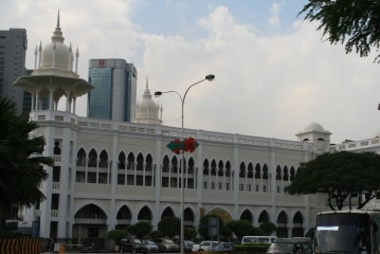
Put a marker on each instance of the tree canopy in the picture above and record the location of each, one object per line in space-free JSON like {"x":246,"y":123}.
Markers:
{"x":344,"y":176}
{"x":140,"y":229}
{"x":353,"y":23}
{"x":21,"y":160}
{"x":170,"y":226}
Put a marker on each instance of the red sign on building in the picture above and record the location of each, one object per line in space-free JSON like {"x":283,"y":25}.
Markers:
{"x":102,"y":63}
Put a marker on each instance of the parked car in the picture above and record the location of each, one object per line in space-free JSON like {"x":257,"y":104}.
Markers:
{"x":132,"y":245}
{"x":207,"y":246}
{"x":188,"y":247}
{"x":296,"y":245}
{"x":224,"y":246}
{"x":166,"y":245}
{"x":195,"y":247}
{"x":152,"y":246}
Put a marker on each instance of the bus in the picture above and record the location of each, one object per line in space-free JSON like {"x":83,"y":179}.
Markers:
{"x":347,"y":231}
{"x":257,"y":239}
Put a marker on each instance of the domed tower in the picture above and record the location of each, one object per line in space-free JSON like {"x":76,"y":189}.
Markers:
{"x":147,"y":111}
{"x":315,"y":134}
{"x":53,"y":75}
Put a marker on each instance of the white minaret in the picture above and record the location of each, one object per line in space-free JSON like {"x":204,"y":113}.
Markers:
{"x":53,"y":76}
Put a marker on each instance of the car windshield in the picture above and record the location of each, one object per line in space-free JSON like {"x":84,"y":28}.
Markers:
{"x":168,"y":241}
{"x":136,"y":241}
{"x":148,"y":242}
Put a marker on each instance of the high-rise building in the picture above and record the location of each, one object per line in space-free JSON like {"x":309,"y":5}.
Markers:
{"x":13,"y":45}
{"x":114,"y":96}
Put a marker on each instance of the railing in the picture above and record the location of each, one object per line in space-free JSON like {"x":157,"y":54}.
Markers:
{"x":166,"y":131}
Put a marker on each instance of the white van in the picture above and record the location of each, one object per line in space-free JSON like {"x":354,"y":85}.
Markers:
{"x":258,"y":239}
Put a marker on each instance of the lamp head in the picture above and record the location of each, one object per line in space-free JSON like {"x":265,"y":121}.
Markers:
{"x":157,"y":94}
{"x":210,"y":77}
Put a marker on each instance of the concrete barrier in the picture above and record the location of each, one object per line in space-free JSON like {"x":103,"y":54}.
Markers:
{"x":21,"y":245}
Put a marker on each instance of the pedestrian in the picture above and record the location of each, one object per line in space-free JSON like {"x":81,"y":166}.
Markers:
{"x":52,"y":243}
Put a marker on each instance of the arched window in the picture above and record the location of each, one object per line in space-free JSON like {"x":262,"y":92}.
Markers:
{"x":92,"y":157}
{"x":228,"y":168}
{"x":242,"y":170}
{"x":292,"y":173}
{"x":265,"y":171}
{"x":174,"y":164}
{"x":165,"y":164}
{"x":140,"y":162}
{"x":250,"y":170}
{"x":205,"y":167}
{"x":191,"y":166}
{"x":121,"y":161}
{"x":278,"y":173}
{"x":131,"y":161}
{"x":257,"y":171}
{"x":220,"y":168}
{"x":103,"y":159}
{"x":286,"y":173}
{"x":148,"y":161}
{"x":81,"y":158}
{"x":213,"y":168}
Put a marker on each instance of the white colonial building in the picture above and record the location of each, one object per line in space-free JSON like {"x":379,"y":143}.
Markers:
{"x":111,"y":174}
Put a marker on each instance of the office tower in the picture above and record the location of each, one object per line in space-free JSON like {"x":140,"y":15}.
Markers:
{"x":114,"y":95}
{"x":13,"y":45}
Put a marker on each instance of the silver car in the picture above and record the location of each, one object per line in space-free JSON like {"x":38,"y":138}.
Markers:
{"x":166,"y":245}
{"x":152,"y":246}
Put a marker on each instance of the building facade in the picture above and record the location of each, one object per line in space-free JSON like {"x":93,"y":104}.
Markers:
{"x":13,"y":46}
{"x":114,"y":174}
{"x":115,"y":89}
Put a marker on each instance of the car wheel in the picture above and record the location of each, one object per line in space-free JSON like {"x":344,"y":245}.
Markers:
{"x":165,"y":250}
{"x":200,"y":250}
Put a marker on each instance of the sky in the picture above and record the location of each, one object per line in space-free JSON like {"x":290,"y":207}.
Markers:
{"x":274,"y":73}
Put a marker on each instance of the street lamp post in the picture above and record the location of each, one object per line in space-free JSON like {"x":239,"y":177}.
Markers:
{"x":209,"y":77}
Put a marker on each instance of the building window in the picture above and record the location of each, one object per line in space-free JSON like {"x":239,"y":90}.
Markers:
{"x":249,"y":187}
{"x":139,"y":180}
{"x":91,"y":178}
{"x":220,"y":186}
{"x":213,"y":185}
{"x":264,"y":188}
{"x":80,"y":177}
{"x":257,"y":188}
{"x":227,"y":186}
{"x":205,"y":185}
{"x":241,"y":187}
{"x":278,"y":189}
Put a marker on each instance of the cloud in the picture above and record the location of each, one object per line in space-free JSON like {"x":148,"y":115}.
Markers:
{"x":274,"y":10}
{"x":266,"y":85}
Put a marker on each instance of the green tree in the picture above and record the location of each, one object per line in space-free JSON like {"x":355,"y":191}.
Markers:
{"x":21,"y":160}
{"x":268,"y":228}
{"x":353,"y":23}
{"x":140,"y":229}
{"x":190,"y":232}
{"x":170,"y":226}
{"x":241,"y":228}
{"x":117,"y":235}
{"x":343,"y":176}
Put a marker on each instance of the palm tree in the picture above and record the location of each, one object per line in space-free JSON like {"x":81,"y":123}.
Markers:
{"x":21,"y":160}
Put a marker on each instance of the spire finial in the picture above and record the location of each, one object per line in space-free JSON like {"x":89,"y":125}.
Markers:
{"x":147,"y":85}
{"x":57,"y":34}
{"x":58,"y":20}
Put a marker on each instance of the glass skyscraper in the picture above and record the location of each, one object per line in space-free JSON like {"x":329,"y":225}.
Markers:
{"x":13,"y":46}
{"x":114,"y":95}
